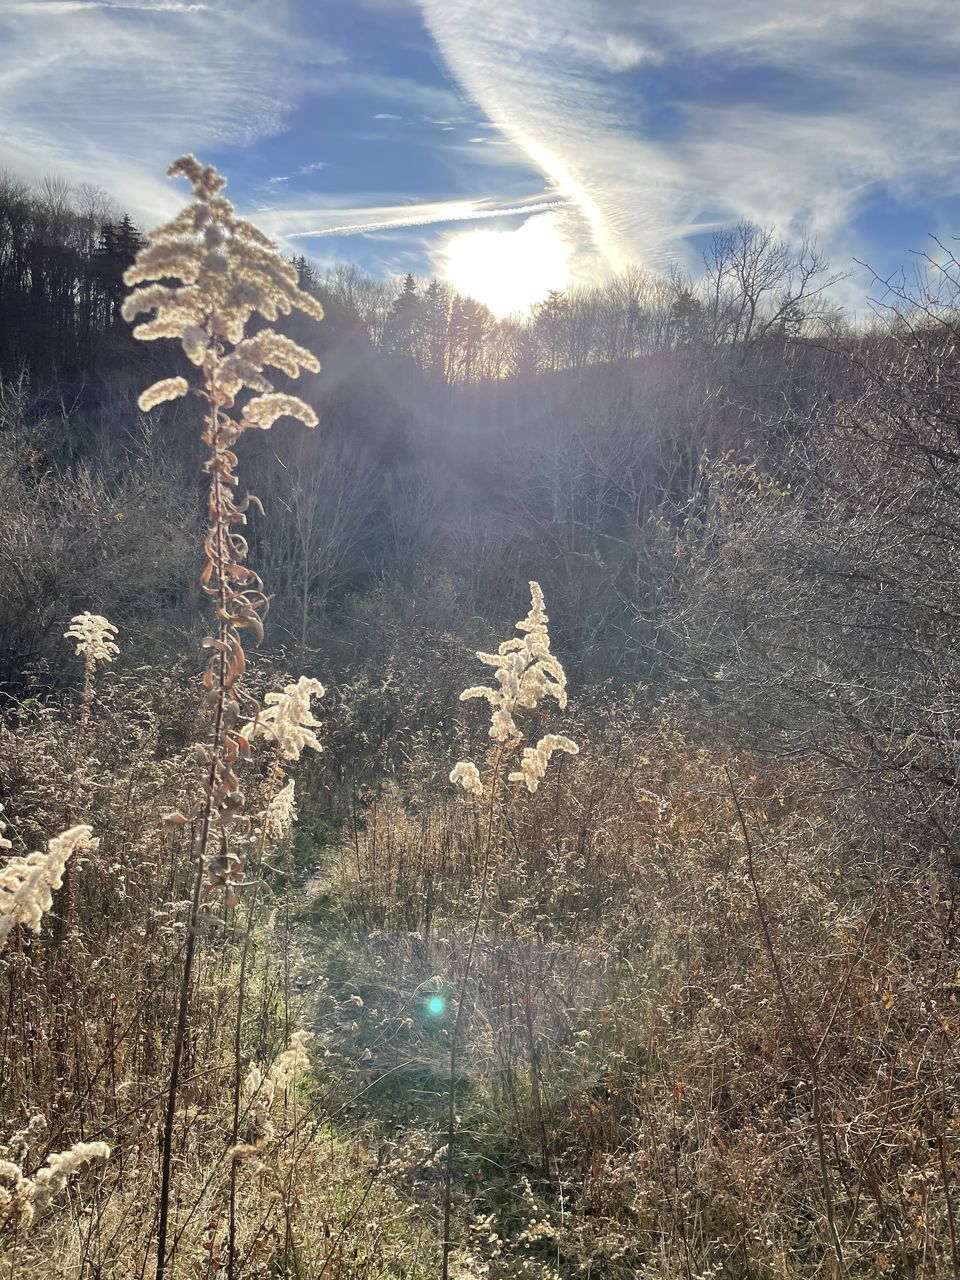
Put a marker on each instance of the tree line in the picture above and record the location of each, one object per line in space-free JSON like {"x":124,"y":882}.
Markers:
{"x":457,"y":455}
{"x":63,"y":251}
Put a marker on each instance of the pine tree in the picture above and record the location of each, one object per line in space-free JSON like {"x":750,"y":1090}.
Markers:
{"x":550,"y":322}
{"x":436,"y":329}
{"x":402,"y":324}
{"x":307,"y":275}
{"x":120,"y":242}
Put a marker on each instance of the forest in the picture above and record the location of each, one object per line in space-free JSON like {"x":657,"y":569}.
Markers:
{"x":640,"y":960}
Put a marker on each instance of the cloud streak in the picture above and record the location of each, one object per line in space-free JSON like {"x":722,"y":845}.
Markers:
{"x":51,"y":8}
{"x":423,"y":216}
{"x":655,"y":118}
{"x":140,"y":81}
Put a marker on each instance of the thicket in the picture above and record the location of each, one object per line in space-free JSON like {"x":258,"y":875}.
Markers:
{"x":470,"y":457}
{"x":682,"y":1000}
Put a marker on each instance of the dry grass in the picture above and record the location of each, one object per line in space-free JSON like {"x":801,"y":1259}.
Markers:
{"x":695,"y":1066}
{"x":89,"y":1011}
{"x":150,"y":1021}
{"x":681,"y":1009}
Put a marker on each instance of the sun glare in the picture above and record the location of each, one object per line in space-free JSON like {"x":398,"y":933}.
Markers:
{"x":508,"y":271}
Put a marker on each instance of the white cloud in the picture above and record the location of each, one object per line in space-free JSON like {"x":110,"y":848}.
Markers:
{"x":137,"y":83}
{"x":51,"y":8}
{"x":323,"y":218}
{"x":303,"y":170}
{"x":409,"y":97}
{"x":827,"y":102}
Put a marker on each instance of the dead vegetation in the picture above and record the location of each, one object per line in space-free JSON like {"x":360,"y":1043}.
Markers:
{"x":673,"y":990}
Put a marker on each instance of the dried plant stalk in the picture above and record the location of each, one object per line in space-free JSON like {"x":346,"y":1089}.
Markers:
{"x":526,"y":672}
{"x":226,"y":271}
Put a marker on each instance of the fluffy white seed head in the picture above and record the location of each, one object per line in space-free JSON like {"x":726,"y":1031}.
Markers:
{"x":280,"y":814}
{"x":287,"y":719}
{"x":292,"y":1062}
{"x":534,"y":761}
{"x":526,"y":672}
{"x":21,"y":1197}
{"x":224,"y":270}
{"x":63,"y":1165}
{"x":160,"y":392}
{"x":94,"y":637}
{"x":16,"y":1198}
{"x":263,"y":411}
{"x":467,"y":775}
{"x":27,"y":883}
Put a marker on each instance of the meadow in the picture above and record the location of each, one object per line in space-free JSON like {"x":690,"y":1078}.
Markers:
{"x":351,"y":927}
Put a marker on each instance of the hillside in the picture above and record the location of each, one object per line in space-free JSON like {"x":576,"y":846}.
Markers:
{"x":351,"y":927}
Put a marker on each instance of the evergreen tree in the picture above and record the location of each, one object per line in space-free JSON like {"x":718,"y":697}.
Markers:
{"x":550,"y":319}
{"x":435,"y":329}
{"x":307,"y":274}
{"x":401,"y":328}
{"x":120,"y":242}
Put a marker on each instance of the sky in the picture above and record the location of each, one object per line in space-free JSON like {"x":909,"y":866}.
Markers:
{"x":509,"y":149}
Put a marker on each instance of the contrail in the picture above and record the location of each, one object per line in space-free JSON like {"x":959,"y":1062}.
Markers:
{"x":425,"y":220}
{"x":74,"y":6}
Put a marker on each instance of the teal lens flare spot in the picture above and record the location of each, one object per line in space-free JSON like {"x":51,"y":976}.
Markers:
{"x":436,"y":1005}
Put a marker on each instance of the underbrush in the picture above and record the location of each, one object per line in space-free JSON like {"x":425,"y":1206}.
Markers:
{"x":609,"y":997}
{"x":697,"y":1045}
{"x":89,"y":1010}
{"x":635,"y":1094}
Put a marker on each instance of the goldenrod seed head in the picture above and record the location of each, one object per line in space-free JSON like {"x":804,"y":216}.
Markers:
{"x":94,"y":637}
{"x":467,"y":775}
{"x":27,"y":882}
{"x":162,"y":391}
{"x":287,"y":719}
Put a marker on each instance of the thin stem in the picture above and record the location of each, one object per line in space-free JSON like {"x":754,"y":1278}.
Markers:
{"x":77,"y":776}
{"x":216,"y":511}
{"x":797,"y":1033}
{"x":458,"y":1022}
{"x":237,"y":1045}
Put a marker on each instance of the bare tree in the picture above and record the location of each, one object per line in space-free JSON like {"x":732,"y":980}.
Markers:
{"x":321,"y":494}
{"x":758,"y":284}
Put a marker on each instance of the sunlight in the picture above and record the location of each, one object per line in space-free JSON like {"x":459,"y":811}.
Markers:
{"x":508,"y":271}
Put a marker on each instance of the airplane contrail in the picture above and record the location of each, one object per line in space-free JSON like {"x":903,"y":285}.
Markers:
{"x":47,"y":7}
{"x":425,"y":220}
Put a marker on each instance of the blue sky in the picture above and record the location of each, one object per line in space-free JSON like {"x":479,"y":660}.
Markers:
{"x":583,"y":135}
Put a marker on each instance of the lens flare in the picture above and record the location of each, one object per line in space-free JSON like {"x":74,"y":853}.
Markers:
{"x":436,"y":1006}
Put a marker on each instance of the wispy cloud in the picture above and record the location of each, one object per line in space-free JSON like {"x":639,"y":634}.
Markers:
{"x":635,"y":123}
{"x":140,"y":81}
{"x":307,"y":223}
{"x":651,"y":118}
{"x":302,"y":171}
{"x":408,"y":96}
{"x":50,"y":8}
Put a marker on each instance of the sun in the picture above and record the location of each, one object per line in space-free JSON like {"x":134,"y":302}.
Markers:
{"x":508,"y":271}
